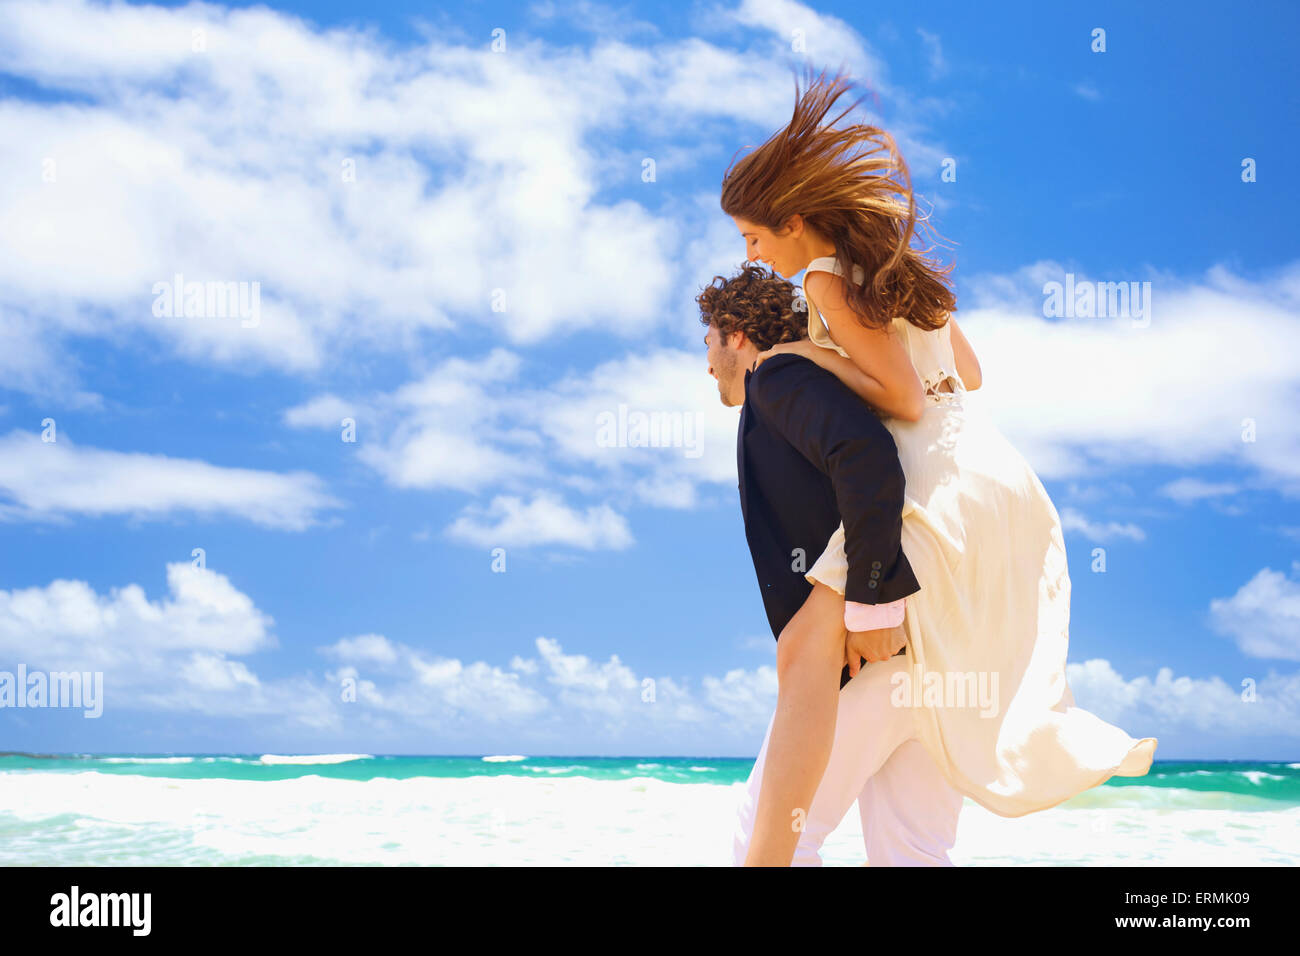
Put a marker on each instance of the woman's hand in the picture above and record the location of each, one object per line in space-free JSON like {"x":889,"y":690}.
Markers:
{"x":801,"y":347}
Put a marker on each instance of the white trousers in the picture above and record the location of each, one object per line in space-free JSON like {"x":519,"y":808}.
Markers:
{"x":909,"y":811}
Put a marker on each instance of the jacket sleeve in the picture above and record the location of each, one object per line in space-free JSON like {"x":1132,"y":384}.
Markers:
{"x":830,"y":426}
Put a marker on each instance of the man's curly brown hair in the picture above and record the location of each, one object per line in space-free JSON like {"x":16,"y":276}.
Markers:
{"x":755,"y":301}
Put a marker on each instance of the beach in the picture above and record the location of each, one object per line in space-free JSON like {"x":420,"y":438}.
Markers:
{"x":517,"y":810}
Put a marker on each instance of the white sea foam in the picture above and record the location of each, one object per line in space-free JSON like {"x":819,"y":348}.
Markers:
{"x":1258,"y":776}
{"x":553,"y":770}
{"x":96,"y":818}
{"x":145,"y":759}
{"x":309,"y":759}
{"x":504,"y":758}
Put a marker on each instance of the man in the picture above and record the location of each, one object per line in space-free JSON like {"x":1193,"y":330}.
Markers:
{"x":810,"y":454}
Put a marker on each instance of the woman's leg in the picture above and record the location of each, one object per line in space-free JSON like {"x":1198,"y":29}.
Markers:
{"x":809,"y":656}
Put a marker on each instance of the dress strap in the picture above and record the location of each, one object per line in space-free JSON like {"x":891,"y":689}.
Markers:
{"x":832,"y":264}
{"x":824,"y":264}
{"x":818,"y":331}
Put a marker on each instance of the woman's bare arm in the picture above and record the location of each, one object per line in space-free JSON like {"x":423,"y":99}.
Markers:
{"x":895,"y":388}
{"x":968,"y":366}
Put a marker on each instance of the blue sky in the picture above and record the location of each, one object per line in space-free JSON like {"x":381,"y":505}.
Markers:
{"x":143,"y":141}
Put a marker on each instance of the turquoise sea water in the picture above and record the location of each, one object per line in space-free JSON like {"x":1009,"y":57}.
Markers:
{"x":249,"y":809}
{"x":1219,"y":782}
{"x":368,"y":766}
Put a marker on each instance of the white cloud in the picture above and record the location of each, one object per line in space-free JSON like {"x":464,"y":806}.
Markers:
{"x":50,"y":480}
{"x":453,"y":428}
{"x":1090,"y":396}
{"x":756,"y":642}
{"x":1208,"y":707}
{"x":256,"y":151}
{"x":176,"y":654}
{"x":545,"y":519}
{"x":825,"y":36}
{"x":473,"y":208}
{"x":643,"y":428}
{"x":746,"y":697}
{"x":1100,"y":412}
{"x":30,"y":361}
{"x":1263,"y":617}
{"x":1100,"y":532}
{"x":208,"y":672}
{"x":1108,"y":491}
{"x":67,"y":620}
{"x":185,"y":653}
{"x":1068,"y":420}
{"x":679,"y":401}
{"x":830,"y":41}
{"x":597,"y":18}
{"x":374,"y":190}
{"x":323,"y":411}
{"x":605,"y":687}
{"x":934,"y":50}
{"x":553,"y":688}
{"x":368,"y":648}
{"x":1187,"y":490}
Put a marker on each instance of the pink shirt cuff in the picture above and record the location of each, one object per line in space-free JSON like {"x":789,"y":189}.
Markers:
{"x":873,"y":617}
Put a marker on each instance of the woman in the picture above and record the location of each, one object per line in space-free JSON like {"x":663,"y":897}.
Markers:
{"x":979,"y":530}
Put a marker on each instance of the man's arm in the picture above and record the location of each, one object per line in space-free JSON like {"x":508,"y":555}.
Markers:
{"x":829,"y":425}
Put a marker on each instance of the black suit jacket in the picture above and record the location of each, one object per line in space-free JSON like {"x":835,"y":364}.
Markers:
{"x":809,"y":454}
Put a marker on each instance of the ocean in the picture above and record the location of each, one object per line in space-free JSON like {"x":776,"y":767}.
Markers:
{"x":514,"y":809}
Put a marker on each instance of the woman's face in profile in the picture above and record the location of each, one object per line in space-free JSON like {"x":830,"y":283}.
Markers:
{"x":772,"y":249}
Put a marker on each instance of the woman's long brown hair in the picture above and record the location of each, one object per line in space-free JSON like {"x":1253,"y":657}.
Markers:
{"x":851,"y":186}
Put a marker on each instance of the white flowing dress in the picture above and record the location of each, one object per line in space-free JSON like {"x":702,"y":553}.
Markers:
{"x":990,"y":624}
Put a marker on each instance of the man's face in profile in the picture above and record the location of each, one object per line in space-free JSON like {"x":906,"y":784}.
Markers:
{"x":724,"y":365}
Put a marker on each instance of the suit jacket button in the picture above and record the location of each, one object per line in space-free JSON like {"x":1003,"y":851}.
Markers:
{"x":872,"y":584}
{"x":875,"y":574}
{"x":875,"y":564}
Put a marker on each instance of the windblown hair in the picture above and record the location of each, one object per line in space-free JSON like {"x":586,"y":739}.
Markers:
{"x":852,"y":186}
{"x":755,"y":301}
